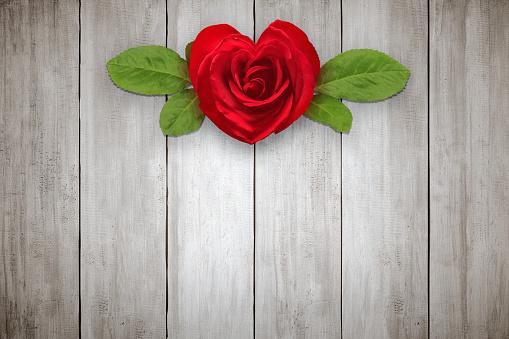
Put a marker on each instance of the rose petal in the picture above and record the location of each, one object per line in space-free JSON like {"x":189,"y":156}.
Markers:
{"x":239,"y":60}
{"x":207,"y":41}
{"x":299,"y":39}
{"x":305,"y":85}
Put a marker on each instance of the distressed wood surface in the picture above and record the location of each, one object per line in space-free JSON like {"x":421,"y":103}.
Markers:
{"x":385,"y":181}
{"x":469,"y":142}
{"x":123,"y":179}
{"x":210,"y":205}
{"x":310,"y":233}
{"x":298,"y":203}
{"x":39,"y":166}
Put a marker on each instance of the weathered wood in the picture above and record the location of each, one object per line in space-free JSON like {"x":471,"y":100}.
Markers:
{"x":298,"y":203}
{"x":469,"y":242}
{"x":39,"y":166}
{"x":123,"y":179}
{"x":210,"y":205}
{"x":385,"y":181}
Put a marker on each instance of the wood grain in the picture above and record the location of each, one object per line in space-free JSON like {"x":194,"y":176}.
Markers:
{"x":39,"y":185}
{"x":469,"y":139}
{"x":123,"y":179}
{"x":298,"y":203}
{"x":385,"y":181}
{"x":210,"y":205}
{"x":256,"y":225}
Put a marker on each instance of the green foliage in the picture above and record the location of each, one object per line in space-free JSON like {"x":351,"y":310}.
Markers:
{"x":358,"y":75}
{"x":330,"y":111}
{"x":181,"y":113}
{"x":188,"y":51}
{"x":149,"y":70}
{"x":362,"y":75}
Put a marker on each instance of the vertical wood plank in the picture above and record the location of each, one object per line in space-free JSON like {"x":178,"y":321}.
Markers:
{"x":385,"y":181}
{"x":123,"y":178}
{"x":210,"y":204}
{"x":298,"y":202}
{"x":469,"y":139}
{"x":39,"y":166}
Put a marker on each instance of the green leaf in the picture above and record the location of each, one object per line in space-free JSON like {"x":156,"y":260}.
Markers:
{"x":188,"y":51}
{"x":330,"y":111}
{"x":362,"y":75}
{"x":149,"y":70}
{"x":181,"y":113}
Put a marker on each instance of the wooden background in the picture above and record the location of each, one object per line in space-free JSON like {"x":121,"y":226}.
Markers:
{"x":398,"y":229}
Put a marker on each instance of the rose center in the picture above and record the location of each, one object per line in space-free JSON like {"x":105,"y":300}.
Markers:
{"x":258,"y":80}
{"x":254,"y":88}
{"x":255,"y":81}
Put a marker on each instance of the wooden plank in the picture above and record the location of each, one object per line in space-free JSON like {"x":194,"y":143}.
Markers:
{"x":298,"y":203}
{"x":123,"y":179}
{"x":210,"y":205}
{"x":469,"y":265}
{"x":385,"y":181}
{"x":39,"y":166}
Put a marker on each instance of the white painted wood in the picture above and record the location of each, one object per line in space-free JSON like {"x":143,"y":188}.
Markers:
{"x":39,"y":186}
{"x":211,"y":183}
{"x":210,"y":205}
{"x":298,"y":203}
{"x":469,"y":139}
{"x":123,"y":179}
{"x":385,"y":181}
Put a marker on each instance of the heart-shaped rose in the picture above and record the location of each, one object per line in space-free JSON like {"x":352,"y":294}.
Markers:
{"x":248,"y":89}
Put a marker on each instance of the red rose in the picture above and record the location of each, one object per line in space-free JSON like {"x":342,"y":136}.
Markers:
{"x":248,"y":89}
